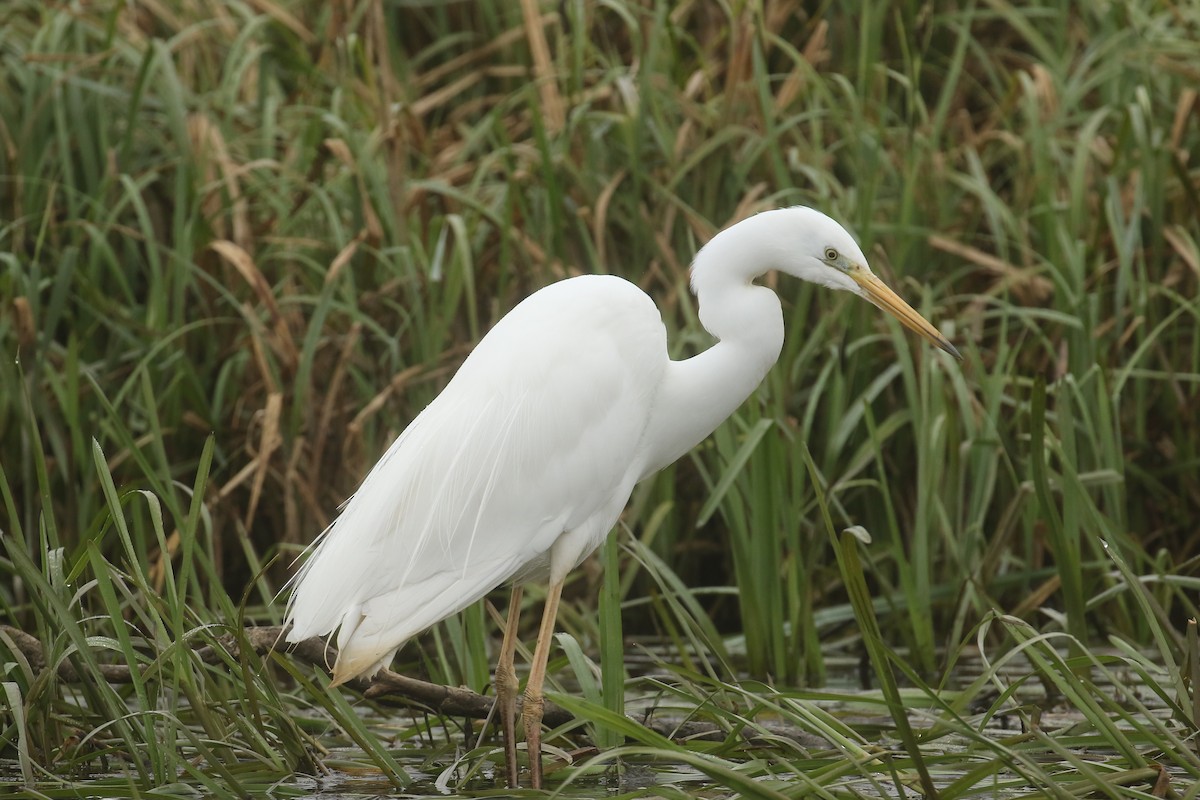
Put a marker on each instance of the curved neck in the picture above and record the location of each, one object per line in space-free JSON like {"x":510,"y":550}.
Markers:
{"x":698,"y":393}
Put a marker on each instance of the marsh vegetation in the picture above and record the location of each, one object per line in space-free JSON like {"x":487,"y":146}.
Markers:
{"x":244,"y":243}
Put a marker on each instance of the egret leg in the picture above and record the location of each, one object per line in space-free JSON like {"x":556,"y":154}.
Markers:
{"x":506,"y":688}
{"x":531,"y":714}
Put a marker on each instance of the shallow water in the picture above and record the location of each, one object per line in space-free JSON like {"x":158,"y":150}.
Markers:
{"x":477,"y":774}
{"x":451,"y":761}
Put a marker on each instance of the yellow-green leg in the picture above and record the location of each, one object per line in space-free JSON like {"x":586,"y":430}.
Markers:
{"x":531,"y":714}
{"x":506,"y":688}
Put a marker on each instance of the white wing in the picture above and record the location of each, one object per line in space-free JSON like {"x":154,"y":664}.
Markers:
{"x":538,"y":435}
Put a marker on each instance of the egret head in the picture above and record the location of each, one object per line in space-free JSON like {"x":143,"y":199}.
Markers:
{"x":830,"y":257}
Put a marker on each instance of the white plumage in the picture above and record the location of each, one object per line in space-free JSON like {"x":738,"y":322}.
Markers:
{"x":512,"y":455}
{"x":521,"y":466}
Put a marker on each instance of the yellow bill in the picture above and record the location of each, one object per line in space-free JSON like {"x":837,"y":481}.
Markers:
{"x":878,"y":293}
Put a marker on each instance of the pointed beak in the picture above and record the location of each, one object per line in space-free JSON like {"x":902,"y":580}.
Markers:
{"x":878,"y":293}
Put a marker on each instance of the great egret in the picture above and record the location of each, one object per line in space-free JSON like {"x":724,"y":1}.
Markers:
{"x":521,"y":466}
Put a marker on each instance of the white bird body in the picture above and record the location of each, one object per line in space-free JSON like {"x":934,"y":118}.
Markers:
{"x":517,"y":470}
{"x":521,"y":466}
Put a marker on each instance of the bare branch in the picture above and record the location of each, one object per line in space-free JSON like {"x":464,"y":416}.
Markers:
{"x":386,"y":685}
{"x":448,"y":700}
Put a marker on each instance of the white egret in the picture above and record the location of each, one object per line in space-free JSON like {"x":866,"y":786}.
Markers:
{"x":521,"y":466}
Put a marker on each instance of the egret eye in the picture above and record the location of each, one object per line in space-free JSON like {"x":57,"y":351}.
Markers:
{"x":831,"y":254}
